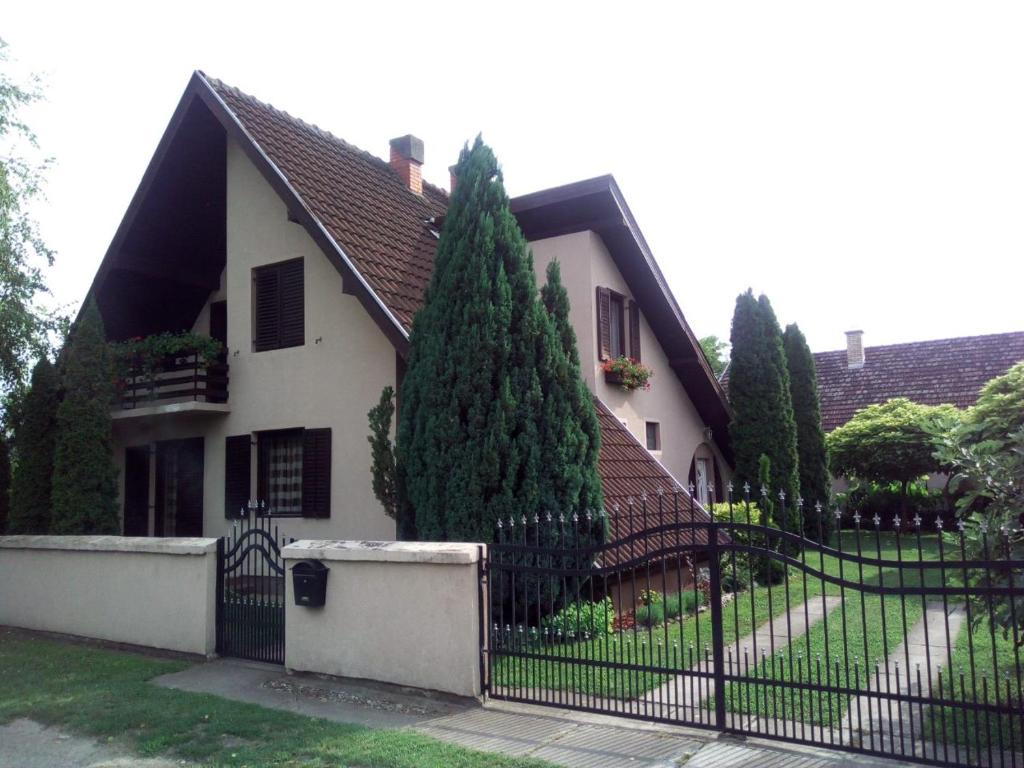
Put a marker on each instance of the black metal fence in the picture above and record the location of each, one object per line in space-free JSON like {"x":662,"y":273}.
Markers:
{"x":904,"y":643}
{"x":251,"y":589}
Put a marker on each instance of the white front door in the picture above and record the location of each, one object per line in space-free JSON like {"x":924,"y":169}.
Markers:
{"x":702,"y":481}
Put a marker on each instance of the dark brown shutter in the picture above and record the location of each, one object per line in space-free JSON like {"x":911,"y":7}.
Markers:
{"x":634,"y":330}
{"x":293,"y":304}
{"x":237,"y":475}
{"x":604,"y":330}
{"x":266,"y":311}
{"x":316,"y":473}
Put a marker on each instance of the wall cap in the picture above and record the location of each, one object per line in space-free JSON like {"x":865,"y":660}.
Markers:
{"x":153,"y":545}
{"x":439,"y":552}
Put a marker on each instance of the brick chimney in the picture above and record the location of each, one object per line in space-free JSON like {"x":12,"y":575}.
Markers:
{"x":452,"y":178}
{"x":407,"y":159}
{"x":855,"y":349}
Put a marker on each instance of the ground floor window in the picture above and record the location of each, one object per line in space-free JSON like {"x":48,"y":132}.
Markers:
{"x":279,"y":470}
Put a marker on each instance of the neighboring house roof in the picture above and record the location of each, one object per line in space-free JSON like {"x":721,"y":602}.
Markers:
{"x":639,"y":493}
{"x":927,"y":372}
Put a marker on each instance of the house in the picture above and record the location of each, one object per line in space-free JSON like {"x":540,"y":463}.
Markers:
{"x":927,"y":372}
{"x":308,"y":258}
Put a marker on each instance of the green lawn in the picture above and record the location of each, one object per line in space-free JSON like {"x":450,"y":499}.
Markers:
{"x":679,"y":645}
{"x":863,"y":627}
{"x":105,"y":694}
{"x":958,"y":726}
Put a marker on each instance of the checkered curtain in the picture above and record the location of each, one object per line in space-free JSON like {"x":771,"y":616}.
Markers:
{"x":284,"y":475}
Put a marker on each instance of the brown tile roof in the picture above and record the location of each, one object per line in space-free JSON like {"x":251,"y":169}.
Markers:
{"x":928,"y":372}
{"x":631,"y":479}
{"x":364,"y":205}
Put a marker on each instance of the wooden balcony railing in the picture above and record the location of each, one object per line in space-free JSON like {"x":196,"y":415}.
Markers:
{"x":176,"y":379}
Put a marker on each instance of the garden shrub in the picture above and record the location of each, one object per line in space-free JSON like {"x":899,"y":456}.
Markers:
{"x":650,"y":615}
{"x":885,"y":500}
{"x":650,"y":596}
{"x":684,"y":602}
{"x":583,"y":618}
{"x":760,"y":568}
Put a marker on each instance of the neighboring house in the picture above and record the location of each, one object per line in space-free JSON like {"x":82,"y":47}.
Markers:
{"x":308,"y":258}
{"x":927,"y":372}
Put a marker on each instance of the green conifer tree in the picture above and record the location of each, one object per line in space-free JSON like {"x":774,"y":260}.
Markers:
{"x":5,"y":484}
{"x":815,"y":482}
{"x":570,"y":433}
{"x":468,"y":448}
{"x":759,"y":395}
{"x":84,"y":477}
{"x":35,"y":436}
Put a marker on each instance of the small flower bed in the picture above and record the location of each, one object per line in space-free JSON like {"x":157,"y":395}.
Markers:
{"x":627,"y":373}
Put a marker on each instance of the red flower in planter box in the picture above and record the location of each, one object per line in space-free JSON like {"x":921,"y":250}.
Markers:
{"x":627,"y":373}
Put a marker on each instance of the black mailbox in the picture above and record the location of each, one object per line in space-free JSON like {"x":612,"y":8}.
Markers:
{"x":310,"y":581}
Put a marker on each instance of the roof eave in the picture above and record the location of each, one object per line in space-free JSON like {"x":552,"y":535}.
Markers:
{"x":354,"y":281}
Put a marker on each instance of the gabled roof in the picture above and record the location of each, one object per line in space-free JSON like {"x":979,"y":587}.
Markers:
{"x":927,"y":372}
{"x":377,"y":233}
{"x":640,"y":493}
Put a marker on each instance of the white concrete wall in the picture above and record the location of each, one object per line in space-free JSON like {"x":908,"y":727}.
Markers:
{"x":587,"y":265}
{"x":330,"y":381}
{"x":152,"y":592}
{"x":402,"y":612}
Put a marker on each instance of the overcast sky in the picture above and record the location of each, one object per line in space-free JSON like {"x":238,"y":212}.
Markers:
{"x":861,"y":163}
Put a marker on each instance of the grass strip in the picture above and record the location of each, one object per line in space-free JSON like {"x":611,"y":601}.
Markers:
{"x":106,"y":694}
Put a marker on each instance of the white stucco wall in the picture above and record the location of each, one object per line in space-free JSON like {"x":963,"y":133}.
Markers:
{"x":405,"y":613}
{"x":587,"y":265}
{"x":330,"y":381}
{"x":152,"y":592}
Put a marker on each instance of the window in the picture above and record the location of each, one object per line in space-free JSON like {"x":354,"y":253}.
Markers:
{"x":280,"y":471}
{"x":616,"y":323}
{"x":612,"y":326}
{"x":293,"y":472}
{"x":653,"y":436}
{"x":703,"y":480}
{"x":278,"y":306}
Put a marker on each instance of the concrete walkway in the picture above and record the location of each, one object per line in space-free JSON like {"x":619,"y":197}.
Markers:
{"x":27,"y":744}
{"x":572,"y":739}
{"x":683,"y":695}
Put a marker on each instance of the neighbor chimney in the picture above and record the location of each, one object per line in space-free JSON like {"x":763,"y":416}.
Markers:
{"x":407,"y":158}
{"x":452,"y":178}
{"x":855,"y":349}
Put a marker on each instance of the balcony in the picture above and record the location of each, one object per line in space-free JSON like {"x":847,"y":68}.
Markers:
{"x":167,"y":375}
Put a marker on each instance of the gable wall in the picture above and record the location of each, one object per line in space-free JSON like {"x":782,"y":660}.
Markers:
{"x":330,"y":381}
{"x":586,"y":265}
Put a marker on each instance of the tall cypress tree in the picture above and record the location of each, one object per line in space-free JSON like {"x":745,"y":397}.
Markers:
{"x":815,"y":484}
{"x":84,"y":477}
{"x":32,"y":484}
{"x":570,"y":433}
{"x":759,"y":394}
{"x":5,"y":484}
{"x":468,"y":449}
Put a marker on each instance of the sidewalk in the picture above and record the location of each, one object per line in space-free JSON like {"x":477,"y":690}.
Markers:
{"x":571,"y":739}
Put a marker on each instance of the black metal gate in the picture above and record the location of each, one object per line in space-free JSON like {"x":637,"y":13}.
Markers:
{"x":251,"y":590}
{"x":890,"y":637}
